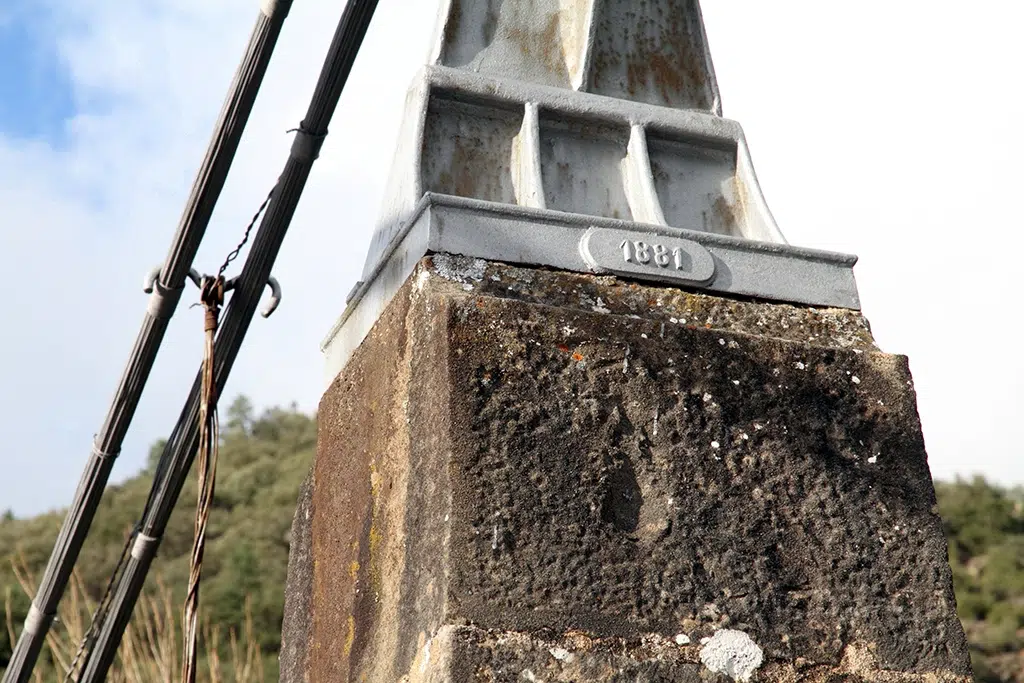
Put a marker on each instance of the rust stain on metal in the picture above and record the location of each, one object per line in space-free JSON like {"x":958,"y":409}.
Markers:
{"x":459,"y":178}
{"x":659,"y":60}
{"x":741,"y":200}
{"x":468,"y":152}
{"x":724,"y":218}
{"x":581,"y":167}
{"x":542,"y":40}
{"x":545,"y":45}
{"x":455,"y":17}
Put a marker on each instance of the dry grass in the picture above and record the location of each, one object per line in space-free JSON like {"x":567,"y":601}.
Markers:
{"x":151,"y":650}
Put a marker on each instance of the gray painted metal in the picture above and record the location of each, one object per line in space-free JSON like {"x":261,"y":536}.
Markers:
{"x":177,"y":457}
{"x":531,"y":145}
{"x":166,"y":291}
{"x":537,"y":119}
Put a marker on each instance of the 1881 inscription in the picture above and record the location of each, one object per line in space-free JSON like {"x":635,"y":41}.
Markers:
{"x":647,"y":256}
{"x":643,"y":252}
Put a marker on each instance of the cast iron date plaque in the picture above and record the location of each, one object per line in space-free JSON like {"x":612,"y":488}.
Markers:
{"x":647,"y":256}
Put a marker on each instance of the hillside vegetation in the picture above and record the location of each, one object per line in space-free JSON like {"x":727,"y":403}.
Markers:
{"x":985,"y":528}
{"x":262,"y":463}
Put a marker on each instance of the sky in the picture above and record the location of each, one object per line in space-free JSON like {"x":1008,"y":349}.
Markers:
{"x":890,"y":130}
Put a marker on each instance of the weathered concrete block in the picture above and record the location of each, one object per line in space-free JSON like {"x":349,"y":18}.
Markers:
{"x":518,"y":463}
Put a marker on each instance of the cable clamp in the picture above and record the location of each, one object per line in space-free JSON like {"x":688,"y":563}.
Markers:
{"x":144,"y":547}
{"x":37,"y":621}
{"x":163,"y":299}
{"x":306,"y":146}
{"x":104,"y":455}
{"x":272,"y":7}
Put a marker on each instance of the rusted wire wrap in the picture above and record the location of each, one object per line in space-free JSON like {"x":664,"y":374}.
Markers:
{"x":212,"y":299}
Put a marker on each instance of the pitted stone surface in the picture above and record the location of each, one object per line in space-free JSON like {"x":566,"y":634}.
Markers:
{"x":297,"y":627}
{"x":830,"y":327}
{"x":612,"y":476}
{"x":589,"y":466}
{"x":472,"y":654}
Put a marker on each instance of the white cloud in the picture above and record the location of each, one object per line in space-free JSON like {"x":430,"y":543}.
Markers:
{"x":890,"y":131}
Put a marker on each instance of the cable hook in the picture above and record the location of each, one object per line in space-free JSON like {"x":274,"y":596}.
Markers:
{"x":275,"y":294}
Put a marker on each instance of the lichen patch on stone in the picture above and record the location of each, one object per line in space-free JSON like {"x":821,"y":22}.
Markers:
{"x":459,"y":268}
{"x":561,"y":654}
{"x":732,"y":653}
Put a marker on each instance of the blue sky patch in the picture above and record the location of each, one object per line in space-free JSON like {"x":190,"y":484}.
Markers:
{"x":35,"y":91}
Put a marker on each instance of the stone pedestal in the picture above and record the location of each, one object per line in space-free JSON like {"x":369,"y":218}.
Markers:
{"x":535,"y":475}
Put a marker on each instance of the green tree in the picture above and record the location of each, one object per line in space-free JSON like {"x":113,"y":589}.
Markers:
{"x":240,"y":415}
{"x":261,"y":466}
{"x":984,"y":526}
{"x":977,"y":514}
{"x":239,"y":578}
{"x":155,"y":452}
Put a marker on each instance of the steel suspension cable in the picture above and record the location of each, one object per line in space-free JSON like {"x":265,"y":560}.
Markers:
{"x":166,"y":292}
{"x":181,"y":447}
